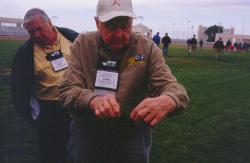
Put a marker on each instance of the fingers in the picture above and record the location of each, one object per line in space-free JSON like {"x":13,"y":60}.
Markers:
{"x":105,"y":106}
{"x":152,"y":119}
{"x":102,"y":110}
{"x":155,"y":120}
{"x":105,"y":109}
{"x":135,"y":115}
{"x":99,"y":111}
{"x":115,"y":106}
{"x":150,"y":110}
{"x":149,"y":118}
{"x":139,"y":114}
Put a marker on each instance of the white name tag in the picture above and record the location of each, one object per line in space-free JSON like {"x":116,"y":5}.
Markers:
{"x":59,"y":64}
{"x":106,"y":79}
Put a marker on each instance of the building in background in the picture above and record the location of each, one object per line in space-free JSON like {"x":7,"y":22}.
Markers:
{"x":143,"y":30}
{"x":201,"y":33}
{"x":202,"y":36}
{"x":12,"y":27}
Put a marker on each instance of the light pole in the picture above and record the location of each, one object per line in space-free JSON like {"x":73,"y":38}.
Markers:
{"x":54,"y":19}
{"x":140,"y":18}
{"x":192,"y":30}
{"x":220,"y":27}
{"x":173,"y":35}
{"x":243,"y":28}
{"x":188,"y":21}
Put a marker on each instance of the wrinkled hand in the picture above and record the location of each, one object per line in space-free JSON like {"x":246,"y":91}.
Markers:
{"x":152,"y":110}
{"x":105,"y":106}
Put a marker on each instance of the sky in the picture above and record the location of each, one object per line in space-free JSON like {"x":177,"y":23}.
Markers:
{"x":180,"y":18}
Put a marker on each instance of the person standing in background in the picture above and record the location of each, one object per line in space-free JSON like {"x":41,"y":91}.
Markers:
{"x":193,"y":44}
{"x":157,"y":39}
{"x":166,"y":40}
{"x":219,"y":47}
{"x":201,"y":43}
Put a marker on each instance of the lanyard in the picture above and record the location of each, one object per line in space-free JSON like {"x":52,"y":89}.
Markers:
{"x":108,"y":62}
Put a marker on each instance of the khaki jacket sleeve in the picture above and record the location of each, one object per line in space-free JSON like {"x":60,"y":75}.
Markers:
{"x":73,"y":87}
{"x":162,"y":81}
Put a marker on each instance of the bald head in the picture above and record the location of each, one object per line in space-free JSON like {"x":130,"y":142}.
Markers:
{"x":39,"y":26}
{"x":33,"y":13}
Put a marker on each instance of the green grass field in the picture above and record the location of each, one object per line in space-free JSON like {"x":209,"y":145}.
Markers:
{"x":214,"y":129}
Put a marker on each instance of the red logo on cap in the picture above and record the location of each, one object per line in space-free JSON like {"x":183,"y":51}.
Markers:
{"x":116,"y":3}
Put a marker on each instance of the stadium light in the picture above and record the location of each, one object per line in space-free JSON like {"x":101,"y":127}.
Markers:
{"x":54,"y":19}
{"x":140,"y":17}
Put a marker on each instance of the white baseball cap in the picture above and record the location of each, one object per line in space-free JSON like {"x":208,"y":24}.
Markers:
{"x":109,"y":9}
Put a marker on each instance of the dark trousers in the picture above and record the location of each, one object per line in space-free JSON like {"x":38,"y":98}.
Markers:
{"x":165,"y":50}
{"x":109,"y":141}
{"x":52,"y":129}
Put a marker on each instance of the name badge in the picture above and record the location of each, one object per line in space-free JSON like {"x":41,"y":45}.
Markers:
{"x":59,"y":64}
{"x":106,"y":79}
{"x":57,"y":60}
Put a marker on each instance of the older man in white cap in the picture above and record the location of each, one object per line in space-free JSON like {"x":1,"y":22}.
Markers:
{"x":119,"y":86}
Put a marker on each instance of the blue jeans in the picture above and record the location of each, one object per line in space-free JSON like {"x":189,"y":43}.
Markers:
{"x":109,"y":141}
{"x":165,"y":51}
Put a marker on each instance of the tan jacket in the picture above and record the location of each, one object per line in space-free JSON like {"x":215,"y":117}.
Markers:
{"x":138,"y":79}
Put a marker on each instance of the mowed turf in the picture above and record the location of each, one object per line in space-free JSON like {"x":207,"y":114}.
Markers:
{"x":214,"y":128}
{"x":7,"y":49}
{"x":18,"y":143}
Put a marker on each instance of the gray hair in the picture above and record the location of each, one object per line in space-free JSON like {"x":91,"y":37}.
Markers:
{"x":34,"y":12}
